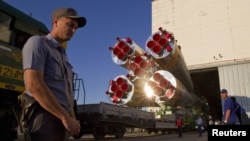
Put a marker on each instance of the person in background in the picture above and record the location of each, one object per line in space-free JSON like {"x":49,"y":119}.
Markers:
{"x":210,"y":120}
{"x":229,"y":115}
{"x":199,"y":123}
{"x":48,"y":78}
{"x":179,"y":124}
{"x":240,"y":112}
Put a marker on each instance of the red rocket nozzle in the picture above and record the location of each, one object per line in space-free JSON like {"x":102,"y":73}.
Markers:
{"x":157,"y":77}
{"x":163,"y":41}
{"x":120,"y":81}
{"x":139,"y":72}
{"x":156,"y":37}
{"x":128,"y":50}
{"x":122,"y":56}
{"x":126,"y":87}
{"x":132,"y":66}
{"x":114,"y":87}
{"x":121,"y":44}
{"x":164,"y":83}
{"x":157,"y":50}
{"x":138,"y":59}
{"x":168,"y":93}
{"x":116,"y":51}
{"x":144,"y":65}
{"x":119,"y":93}
{"x":151,"y":44}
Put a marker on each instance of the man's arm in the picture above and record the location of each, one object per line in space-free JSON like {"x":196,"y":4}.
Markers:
{"x":227,"y":114}
{"x":35,"y":84}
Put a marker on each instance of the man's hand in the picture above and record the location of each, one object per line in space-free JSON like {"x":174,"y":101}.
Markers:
{"x":72,"y":126}
{"x":224,"y":122}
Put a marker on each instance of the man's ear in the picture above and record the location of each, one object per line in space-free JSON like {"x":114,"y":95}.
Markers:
{"x":55,"y":20}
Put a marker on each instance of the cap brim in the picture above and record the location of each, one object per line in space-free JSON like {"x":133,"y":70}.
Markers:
{"x":80,"y":20}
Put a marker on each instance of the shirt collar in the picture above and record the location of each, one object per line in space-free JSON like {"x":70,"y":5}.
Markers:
{"x":54,"y":42}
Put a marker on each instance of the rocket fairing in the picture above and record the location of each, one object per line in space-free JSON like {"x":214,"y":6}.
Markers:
{"x":157,"y":76}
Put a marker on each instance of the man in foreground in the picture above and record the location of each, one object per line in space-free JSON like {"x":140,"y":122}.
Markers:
{"x":48,"y":78}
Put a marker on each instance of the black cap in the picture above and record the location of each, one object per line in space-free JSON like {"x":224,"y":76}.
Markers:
{"x":71,"y":13}
{"x":223,"y":91}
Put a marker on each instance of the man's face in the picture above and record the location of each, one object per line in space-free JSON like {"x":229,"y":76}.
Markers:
{"x":66,"y":27}
{"x":223,"y":95}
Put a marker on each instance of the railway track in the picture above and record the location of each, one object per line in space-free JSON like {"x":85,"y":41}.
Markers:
{"x":191,"y":136}
{"x":127,"y":136}
{"x":90,"y":137}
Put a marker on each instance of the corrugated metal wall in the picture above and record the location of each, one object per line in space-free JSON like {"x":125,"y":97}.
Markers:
{"x":236,"y":79}
{"x":209,"y":31}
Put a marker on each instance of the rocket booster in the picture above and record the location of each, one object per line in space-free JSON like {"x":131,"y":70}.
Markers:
{"x":168,"y":90}
{"x":163,"y":47}
{"x":123,"y":50}
{"x":123,"y":90}
{"x":120,"y":90}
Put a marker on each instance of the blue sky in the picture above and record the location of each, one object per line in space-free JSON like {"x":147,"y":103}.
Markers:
{"x":88,"y":50}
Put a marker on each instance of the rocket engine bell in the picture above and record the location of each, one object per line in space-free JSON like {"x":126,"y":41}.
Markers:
{"x":157,"y":76}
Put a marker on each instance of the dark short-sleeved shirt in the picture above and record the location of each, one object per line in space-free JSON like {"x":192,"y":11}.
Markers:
{"x":229,"y":105}
{"x":43,"y":53}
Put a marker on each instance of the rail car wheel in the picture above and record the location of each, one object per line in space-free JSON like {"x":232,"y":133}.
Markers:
{"x":149,"y":131}
{"x":156,"y":131}
{"x":163,"y":131}
{"x":120,"y":133}
{"x":98,"y":133}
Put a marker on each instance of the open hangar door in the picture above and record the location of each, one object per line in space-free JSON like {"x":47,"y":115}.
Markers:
{"x":206,"y":84}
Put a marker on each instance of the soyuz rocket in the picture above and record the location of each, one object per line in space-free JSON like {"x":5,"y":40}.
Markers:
{"x":156,"y":76}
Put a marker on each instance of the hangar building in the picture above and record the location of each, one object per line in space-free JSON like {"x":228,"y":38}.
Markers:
{"x":215,"y":42}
